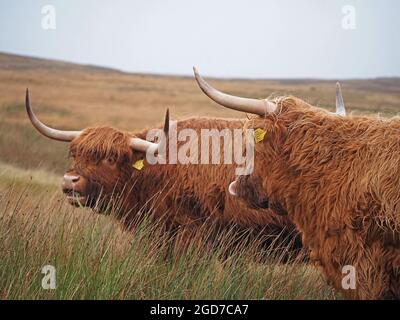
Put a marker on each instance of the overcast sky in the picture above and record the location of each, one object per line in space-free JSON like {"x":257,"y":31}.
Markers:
{"x":224,"y":38}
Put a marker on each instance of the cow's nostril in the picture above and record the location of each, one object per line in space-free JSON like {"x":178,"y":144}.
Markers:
{"x":70,"y":180}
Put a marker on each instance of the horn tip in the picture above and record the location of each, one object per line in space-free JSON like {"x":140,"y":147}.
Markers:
{"x":27,"y":104}
{"x":166,"y":122}
{"x":196,"y":72}
{"x":167,"y":115}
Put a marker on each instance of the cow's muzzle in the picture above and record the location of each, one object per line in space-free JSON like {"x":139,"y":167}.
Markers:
{"x":70,"y":187}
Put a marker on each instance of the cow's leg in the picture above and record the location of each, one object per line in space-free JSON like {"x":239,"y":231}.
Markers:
{"x":365,"y":266}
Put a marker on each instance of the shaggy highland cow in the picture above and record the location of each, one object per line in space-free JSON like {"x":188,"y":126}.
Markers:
{"x":184,"y":197}
{"x":337,"y":179}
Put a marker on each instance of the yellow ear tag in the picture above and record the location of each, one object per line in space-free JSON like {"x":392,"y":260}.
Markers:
{"x":139,"y":165}
{"x":259,"y":135}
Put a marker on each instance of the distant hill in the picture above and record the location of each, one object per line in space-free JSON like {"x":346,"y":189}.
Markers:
{"x":15,"y":62}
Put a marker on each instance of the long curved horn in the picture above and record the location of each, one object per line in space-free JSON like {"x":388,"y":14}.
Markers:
{"x":340,"y":108}
{"x":144,"y":146}
{"x":51,"y":133}
{"x":255,"y":106}
{"x":141,"y":145}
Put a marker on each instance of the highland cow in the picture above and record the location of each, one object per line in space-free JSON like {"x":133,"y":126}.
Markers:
{"x":337,"y":179}
{"x":184,"y":197}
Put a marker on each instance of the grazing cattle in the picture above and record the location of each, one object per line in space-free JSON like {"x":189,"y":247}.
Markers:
{"x":337,"y":178}
{"x":185,"y":197}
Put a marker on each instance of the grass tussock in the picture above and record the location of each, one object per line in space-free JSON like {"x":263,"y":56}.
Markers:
{"x":95,"y":259}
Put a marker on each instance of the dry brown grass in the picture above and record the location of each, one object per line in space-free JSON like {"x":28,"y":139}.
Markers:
{"x":73,"y":96}
{"x":95,"y":259}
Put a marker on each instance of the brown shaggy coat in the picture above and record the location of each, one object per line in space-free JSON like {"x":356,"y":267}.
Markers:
{"x":183,"y":196}
{"x":338,"y":179}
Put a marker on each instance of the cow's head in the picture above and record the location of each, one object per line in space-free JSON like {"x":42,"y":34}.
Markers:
{"x":102,"y":159}
{"x":275,"y":120}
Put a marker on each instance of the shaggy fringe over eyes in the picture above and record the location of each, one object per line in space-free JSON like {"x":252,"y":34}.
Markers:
{"x":101,"y":143}
{"x":284,"y":104}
